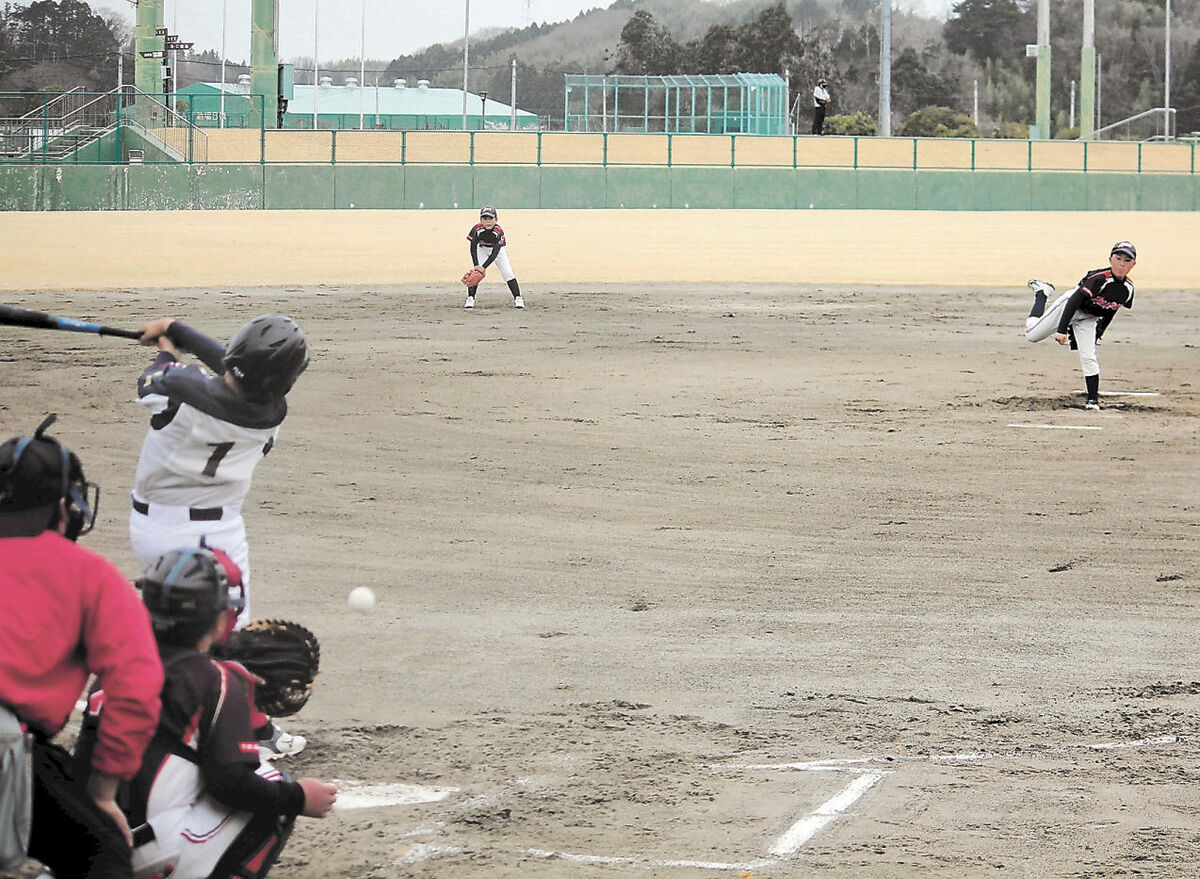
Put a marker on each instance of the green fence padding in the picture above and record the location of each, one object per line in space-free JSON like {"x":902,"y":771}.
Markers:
{"x":702,"y":188}
{"x":227,"y":187}
{"x":20,"y":187}
{"x":887,"y":190}
{"x":1000,"y":191}
{"x":439,"y":187}
{"x":1112,"y":192}
{"x":1058,"y":191}
{"x":82,"y":188}
{"x":638,"y":187}
{"x":369,"y":187}
{"x":825,"y":188}
{"x":945,"y":191}
{"x":298,"y":187}
{"x":573,"y":188}
{"x":763,"y":188}
{"x":1166,"y":193}
{"x":156,"y":187}
{"x":505,"y":185}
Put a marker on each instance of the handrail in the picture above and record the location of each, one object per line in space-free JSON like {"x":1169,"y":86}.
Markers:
{"x":1168,"y":112}
{"x":39,"y":111}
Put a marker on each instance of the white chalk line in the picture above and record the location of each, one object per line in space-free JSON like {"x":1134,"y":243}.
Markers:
{"x":808,"y":827}
{"x":1058,"y":426}
{"x":646,"y":863}
{"x":850,"y":763}
{"x":1129,"y":393}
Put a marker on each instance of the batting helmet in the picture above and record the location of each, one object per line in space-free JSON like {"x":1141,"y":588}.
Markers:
{"x":192,"y":586}
{"x":38,"y":471}
{"x":266,"y":356}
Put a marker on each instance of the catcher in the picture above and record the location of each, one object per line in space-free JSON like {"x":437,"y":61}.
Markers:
{"x":202,"y":804}
{"x":487,"y":241}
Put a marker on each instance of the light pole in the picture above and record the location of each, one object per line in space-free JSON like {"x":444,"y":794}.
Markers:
{"x":221,"y":115}
{"x":466,"y":52}
{"x":362,"y":64}
{"x":1167,"y":79}
{"x":482,"y":110}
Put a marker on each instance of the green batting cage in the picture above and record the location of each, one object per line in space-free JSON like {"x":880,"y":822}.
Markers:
{"x":736,"y":103}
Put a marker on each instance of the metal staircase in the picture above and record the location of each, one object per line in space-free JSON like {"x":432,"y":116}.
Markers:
{"x":59,"y":129}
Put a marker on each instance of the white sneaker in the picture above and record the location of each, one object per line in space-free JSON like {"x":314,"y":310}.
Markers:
{"x":518,"y":302}
{"x":470,"y":303}
{"x":280,"y":745}
{"x":1041,"y":287}
{"x":1092,"y":403}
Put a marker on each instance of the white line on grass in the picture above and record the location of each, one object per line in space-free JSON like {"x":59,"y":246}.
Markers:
{"x":1129,"y":393}
{"x":806,"y":828}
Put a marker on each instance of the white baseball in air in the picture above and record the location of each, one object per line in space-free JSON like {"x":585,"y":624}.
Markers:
{"x":361,"y":599}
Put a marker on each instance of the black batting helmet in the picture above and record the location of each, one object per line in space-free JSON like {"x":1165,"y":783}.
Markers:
{"x":191,"y":585}
{"x":267,"y":355}
{"x":36,"y":472}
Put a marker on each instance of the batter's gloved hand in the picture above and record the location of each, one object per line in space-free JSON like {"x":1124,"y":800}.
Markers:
{"x":285,"y":655}
{"x":474,"y":276}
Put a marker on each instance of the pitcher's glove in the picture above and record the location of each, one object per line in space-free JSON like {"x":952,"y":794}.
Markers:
{"x":285,"y":655}
{"x":473,"y":277}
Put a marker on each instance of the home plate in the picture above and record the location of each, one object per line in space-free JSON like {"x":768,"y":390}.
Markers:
{"x":357,"y":795}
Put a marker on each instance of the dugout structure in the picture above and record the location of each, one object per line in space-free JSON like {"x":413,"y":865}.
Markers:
{"x":736,"y":103}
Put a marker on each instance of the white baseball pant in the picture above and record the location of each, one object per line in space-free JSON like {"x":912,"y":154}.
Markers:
{"x":483,"y":251}
{"x":164,"y":528}
{"x":1083,"y":326}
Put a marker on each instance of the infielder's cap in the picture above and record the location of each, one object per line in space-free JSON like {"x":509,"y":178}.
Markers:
{"x":1125,"y":247}
{"x":487,"y":211}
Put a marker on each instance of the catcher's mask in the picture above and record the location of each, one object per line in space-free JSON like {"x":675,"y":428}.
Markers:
{"x":36,"y":472}
{"x":192,"y":586}
{"x":266,"y":356}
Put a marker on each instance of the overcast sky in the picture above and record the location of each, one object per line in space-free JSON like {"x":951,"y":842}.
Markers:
{"x":393,"y":27}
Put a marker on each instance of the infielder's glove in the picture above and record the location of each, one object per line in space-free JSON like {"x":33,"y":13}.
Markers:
{"x":285,"y":655}
{"x":473,"y":277}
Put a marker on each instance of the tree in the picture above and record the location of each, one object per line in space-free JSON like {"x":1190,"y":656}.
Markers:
{"x":986,"y":29}
{"x":646,"y":47}
{"x":76,"y":43}
{"x":1187,"y":98}
{"x":769,"y":43}
{"x":915,"y":84}
{"x":937,"y":122}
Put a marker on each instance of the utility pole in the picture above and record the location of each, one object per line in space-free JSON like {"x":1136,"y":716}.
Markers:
{"x":885,"y":70}
{"x":1087,"y":72}
{"x":1043,"y":69}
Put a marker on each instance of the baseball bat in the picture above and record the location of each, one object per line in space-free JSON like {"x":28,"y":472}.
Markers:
{"x":14,"y":316}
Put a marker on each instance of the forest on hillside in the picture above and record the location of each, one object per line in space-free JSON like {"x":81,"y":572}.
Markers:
{"x":944,"y":75}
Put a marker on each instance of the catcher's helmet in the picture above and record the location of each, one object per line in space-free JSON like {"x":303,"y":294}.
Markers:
{"x":192,"y":586}
{"x":38,"y":471}
{"x":267,"y":355}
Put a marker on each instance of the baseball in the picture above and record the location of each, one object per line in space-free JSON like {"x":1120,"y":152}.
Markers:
{"x":361,"y":599}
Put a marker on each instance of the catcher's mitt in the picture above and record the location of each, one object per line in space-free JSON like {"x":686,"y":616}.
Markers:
{"x":473,"y":277}
{"x":285,"y":655}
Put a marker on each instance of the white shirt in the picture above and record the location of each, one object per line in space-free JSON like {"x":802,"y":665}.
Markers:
{"x":820,"y":96}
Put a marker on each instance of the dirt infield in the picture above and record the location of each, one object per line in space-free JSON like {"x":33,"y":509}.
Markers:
{"x":704,"y":579}
{"x":631,"y":539}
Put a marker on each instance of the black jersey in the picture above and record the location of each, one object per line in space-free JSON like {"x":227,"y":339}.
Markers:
{"x":1099,"y":294}
{"x":493,"y":237}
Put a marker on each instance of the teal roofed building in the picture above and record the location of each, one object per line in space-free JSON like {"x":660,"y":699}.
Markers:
{"x":400,"y":106}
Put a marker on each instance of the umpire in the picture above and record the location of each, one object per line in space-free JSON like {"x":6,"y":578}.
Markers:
{"x":69,"y":613}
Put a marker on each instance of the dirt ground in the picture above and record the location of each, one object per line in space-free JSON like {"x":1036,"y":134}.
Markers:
{"x":645,"y":554}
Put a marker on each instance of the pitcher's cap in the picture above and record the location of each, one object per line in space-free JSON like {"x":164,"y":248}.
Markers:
{"x":1125,"y":247}
{"x":487,"y":211}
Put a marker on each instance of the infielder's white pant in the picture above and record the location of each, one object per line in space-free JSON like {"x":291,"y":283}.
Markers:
{"x":483,"y":251}
{"x":165,"y":528}
{"x":1083,"y":326}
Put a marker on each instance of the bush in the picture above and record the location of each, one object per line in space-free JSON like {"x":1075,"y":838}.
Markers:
{"x":937,"y":122}
{"x":851,"y":124}
{"x":1013,"y":131}
{"x":1067,"y":134}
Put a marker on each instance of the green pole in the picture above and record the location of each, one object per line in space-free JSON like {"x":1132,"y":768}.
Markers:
{"x":148,"y":72}
{"x":1087,"y":72}
{"x":264,"y":62}
{"x":1043,"y":70}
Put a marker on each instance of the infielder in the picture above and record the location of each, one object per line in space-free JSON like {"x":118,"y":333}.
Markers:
{"x":487,"y":241}
{"x":207,"y":434}
{"x":1082,"y":314}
